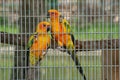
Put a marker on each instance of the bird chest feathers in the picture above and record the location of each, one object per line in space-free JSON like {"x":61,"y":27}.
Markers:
{"x":57,"y":28}
{"x":41,"y":43}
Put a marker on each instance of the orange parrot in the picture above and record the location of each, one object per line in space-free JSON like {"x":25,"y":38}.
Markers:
{"x":38,"y":43}
{"x":61,"y":32}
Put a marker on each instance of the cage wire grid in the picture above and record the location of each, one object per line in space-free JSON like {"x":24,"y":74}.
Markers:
{"x":94,"y":23}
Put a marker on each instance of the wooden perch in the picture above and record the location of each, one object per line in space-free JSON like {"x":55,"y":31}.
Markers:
{"x":22,"y":39}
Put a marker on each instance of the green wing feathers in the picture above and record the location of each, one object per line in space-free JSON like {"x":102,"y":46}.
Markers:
{"x":67,"y":25}
{"x":30,"y":42}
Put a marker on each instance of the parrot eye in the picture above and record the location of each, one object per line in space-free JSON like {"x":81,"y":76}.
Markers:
{"x":52,"y":13}
{"x":44,"y":25}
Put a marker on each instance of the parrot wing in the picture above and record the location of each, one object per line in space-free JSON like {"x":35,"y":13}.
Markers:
{"x":30,"y":42}
{"x":32,"y":37}
{"x":67,"y":25}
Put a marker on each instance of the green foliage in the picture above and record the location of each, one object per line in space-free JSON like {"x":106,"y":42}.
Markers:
{"x":96,"y":31}
{"x":3,"y":20}
{"x":10,"y":29}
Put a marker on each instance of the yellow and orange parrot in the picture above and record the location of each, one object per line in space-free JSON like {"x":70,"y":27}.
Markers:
{"x":39,"y":43}
{"x":61,"y":32}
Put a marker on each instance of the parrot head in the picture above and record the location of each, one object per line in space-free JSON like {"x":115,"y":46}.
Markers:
{"x":43,"y":27}
{"x":53,"y":13}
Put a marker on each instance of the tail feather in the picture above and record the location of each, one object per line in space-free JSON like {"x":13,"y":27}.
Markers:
{"x":78,"y":65}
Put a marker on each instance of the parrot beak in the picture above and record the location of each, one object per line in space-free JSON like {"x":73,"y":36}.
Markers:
{"x":48,"y":29}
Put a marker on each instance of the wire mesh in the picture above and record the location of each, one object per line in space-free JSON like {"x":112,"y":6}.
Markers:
{"x":94,"y":24}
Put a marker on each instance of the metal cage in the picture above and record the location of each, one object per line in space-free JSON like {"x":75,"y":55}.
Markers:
{"x":94,"y":24}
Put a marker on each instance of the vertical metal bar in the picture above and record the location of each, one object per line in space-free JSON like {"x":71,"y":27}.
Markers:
{"x":20,"y":74}
{"x":38,"y":17}
{"x":103,"y":37}
{"x":8,"y":47}
{"x":99,"y":26}
{"x":111,"y":14}
{"x":77,"y":26}
{"x":86,"y":36}
{"x":45,"y":5}
{"x":71,"y":67}
{"x":62,"y":11}
{"x":114,"y":33}
{"x":25,"y":18}
{"x":29,"y":13}
{"x":17,"y":42}
{"x":21,"y":20}
{"x":119,"y":35}
{"x":96,"y":15}
{"x":4,"y":36}
{"x":116,"y":66}
{"x":33,"y":14}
